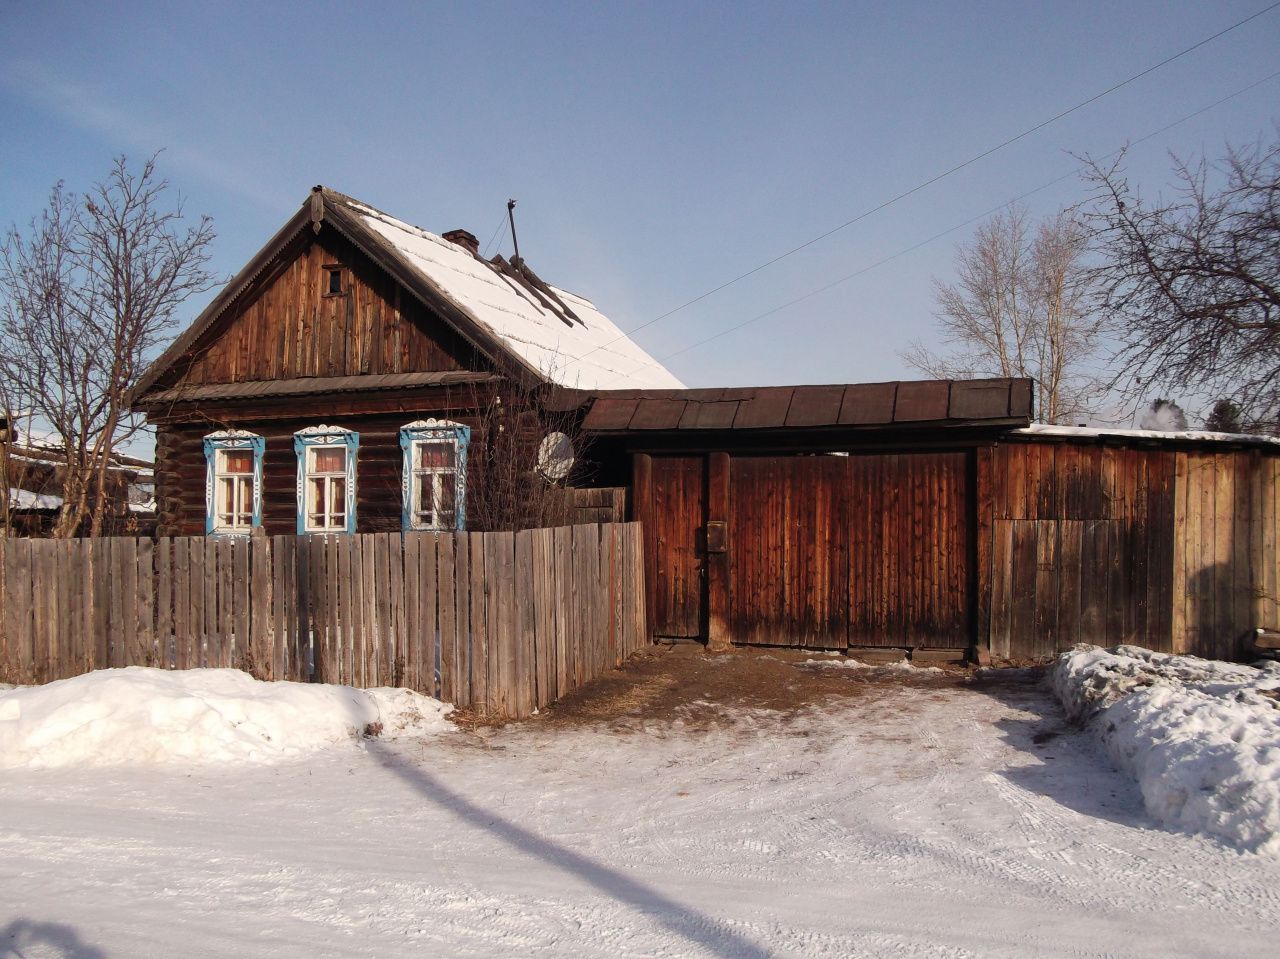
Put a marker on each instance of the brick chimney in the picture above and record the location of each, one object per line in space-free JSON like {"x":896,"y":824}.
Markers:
{"x":465,"y":240}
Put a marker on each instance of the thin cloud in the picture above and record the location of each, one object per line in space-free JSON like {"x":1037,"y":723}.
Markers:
{"x":84,"y":107}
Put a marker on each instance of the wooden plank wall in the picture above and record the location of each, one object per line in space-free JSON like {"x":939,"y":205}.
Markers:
{"x":1082,"y":547}
{"x":671,"y":500}
{"x":1224,"y":563}
{"x":909,"y":550}
{"x":289,"y":325}
{"x":1168,"y":549}
{"x":788,"y":550}
{"x":503,"y":623}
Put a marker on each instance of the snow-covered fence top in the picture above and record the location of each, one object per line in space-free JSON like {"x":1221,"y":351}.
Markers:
{"x":504,"y":622}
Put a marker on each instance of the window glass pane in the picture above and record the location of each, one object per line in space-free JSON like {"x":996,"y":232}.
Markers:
{"x":448,"y":490}
{"x":329,"y":459}
{"x":448,"y":498}
{"x":225,"y":501}
{"x":435,"y":455}
{"x":237,"y":461}
{"x":337,"y":496}
{"x":244,"y":505}
{"x":425,"y":505}
{"x":315,"y":503}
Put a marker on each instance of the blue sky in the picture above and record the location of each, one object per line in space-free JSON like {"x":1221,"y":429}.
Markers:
{"x":655,"y":150}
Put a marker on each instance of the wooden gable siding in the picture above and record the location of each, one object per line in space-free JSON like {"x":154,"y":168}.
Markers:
{"x":291,"y":327}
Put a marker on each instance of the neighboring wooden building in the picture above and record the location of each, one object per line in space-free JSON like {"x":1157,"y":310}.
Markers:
{"x":934,"y":515}
{"x":33,"y":472}
{"x":340,"y":382}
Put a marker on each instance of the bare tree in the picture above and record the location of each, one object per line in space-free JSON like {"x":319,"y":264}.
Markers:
{"x":88,"y":293}
{"x":525,"y":453}
{"x":1193,"y":284}
{"x":1019,"y":308}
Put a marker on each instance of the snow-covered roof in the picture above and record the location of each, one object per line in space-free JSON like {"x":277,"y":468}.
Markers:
{"x":580,"y":348}
{"x":526,"y":326}
{"x":25,"y":499}
{"x":1196,"y":436}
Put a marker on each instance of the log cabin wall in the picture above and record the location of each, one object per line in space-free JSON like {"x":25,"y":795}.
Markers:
{"x":180,"y":469}
{"x":1167,"y":548}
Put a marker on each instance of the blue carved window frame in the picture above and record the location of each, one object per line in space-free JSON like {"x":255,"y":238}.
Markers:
{"x":322,"y":436}
{"x":231,"y":440}
{"x":433,"y":431}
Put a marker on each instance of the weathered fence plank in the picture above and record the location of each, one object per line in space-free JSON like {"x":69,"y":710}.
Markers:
{"x":478,"y":625}
{"x":525,"y":664}
{"x":447,"y":620}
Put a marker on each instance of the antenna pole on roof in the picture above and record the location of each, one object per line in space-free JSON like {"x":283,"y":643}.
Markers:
{"x":511,"y":215}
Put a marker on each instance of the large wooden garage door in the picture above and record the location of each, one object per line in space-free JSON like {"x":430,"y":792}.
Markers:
{"x":832,"y":551}
{"x":788,"y":552}
{"x":909,"y":550}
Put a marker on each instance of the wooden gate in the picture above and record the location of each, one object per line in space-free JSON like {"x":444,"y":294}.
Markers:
{"x":864,"y":550}
{"x":673,"y":505}
{"x":909,"y":547}
{"x":788,"y":551}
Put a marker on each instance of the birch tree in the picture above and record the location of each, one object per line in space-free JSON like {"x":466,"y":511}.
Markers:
{"x":86,"y":294}
{"x":1019,"y":308}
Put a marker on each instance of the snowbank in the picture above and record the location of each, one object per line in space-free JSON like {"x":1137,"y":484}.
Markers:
{"x":141,"y":715}
{"x":1201,"y":737}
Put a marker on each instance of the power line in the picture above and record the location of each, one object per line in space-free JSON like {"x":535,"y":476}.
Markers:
{"x":935,"y":179}
{"x":958,"y":226}
{"x":496,"y":230}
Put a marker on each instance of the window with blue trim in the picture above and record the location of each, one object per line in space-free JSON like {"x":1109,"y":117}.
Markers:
{"x":434,"y":484}
{"x":326,"y":479}
{"x":233,"y":481}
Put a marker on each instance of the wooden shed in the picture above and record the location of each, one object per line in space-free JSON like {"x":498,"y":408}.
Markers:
{"x":934,"y":515}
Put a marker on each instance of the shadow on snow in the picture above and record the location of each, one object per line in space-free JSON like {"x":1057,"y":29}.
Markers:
{"x":675,"y":916}
{"x":22,"y":936}
{"x":1071,"y":768}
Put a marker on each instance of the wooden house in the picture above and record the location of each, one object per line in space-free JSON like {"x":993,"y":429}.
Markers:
{"x":339,"y":381}
{"x":339,"y":384}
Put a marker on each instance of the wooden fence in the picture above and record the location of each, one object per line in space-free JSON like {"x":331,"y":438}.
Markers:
{"x":503,"y":622}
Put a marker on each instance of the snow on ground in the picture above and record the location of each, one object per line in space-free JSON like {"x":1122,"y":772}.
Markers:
{"x":845,"y":662}
{"x":140,"y":715}
{"x":913,"y":817}
{"x":1201,"y":737}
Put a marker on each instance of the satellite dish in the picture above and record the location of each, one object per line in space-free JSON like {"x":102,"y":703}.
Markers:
{"x":555,"y":456}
